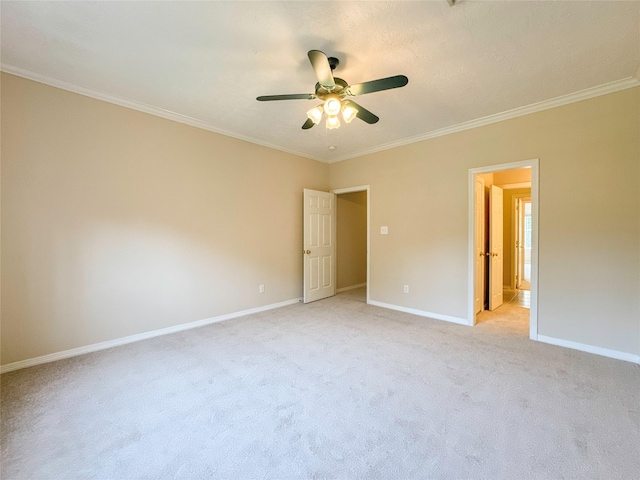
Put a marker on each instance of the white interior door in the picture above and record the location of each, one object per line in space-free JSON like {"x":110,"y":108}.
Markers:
{"x":496,"y":262}
{"x":319,"y":245}
{"x":525,"y":284}
{"x":522,"y":255}
{"x":479,"y":243}
{"x":519,"y":243}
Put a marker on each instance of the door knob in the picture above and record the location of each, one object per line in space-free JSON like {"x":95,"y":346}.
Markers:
{"x":494,"y":254}
{"x":307,"y":252}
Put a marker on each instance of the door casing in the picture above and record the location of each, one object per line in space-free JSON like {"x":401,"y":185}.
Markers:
{"x":479,"y":243}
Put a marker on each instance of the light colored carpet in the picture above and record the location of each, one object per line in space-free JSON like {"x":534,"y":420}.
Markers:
{"x":333,"y":389}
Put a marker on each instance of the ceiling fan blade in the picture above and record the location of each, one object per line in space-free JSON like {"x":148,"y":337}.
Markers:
{"x":377,"y":85}
{"x":363,"y":114}
{"x":321,"y":67}
{"x":308,"y":124}
{"x":293,"y":96}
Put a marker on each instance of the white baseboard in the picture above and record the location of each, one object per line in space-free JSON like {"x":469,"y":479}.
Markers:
{"x":52,"y":357}
{"x":421,"y":313}
{"x":352,"y":287}
{"x":605,"y":352}
{"x":628,"y":357}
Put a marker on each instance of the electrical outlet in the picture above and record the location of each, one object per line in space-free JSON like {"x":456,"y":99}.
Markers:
{"x":406,"y":289}
{"x":261,"y":288}
{"x":384,"y":230}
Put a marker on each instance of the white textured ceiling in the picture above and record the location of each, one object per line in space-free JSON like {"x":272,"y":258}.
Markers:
{"x":208,"y":61}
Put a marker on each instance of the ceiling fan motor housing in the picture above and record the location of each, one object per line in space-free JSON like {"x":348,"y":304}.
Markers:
{"x":321,"y":91}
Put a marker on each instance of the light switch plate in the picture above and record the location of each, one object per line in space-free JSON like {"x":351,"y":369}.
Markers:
{"x":384,"y":230}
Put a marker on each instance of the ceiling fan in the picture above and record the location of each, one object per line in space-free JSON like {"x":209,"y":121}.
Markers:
{"x":335,"y":93}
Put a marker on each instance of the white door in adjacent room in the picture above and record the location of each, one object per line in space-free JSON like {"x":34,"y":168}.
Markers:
{"x":519,"y":247}
{"x":319,"y":245}
{"x":496,"y":250}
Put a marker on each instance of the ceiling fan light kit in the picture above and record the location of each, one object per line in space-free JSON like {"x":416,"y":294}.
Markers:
{"x":333,"y":92}
{"x":332,"y":107}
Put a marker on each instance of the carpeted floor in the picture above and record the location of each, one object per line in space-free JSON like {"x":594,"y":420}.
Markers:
{"x":333,"y":389}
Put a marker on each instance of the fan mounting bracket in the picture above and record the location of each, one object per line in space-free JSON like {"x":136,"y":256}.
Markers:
{"x":333,"y":63}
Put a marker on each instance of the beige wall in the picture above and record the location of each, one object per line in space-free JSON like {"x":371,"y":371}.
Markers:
{"x":115,"y":222}
{"x":589,"y":231}
{"x":508,"y":233}
{"x":351,"y":261}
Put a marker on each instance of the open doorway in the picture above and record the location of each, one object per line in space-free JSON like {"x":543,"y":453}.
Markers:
{"x":352,"y":231}
{"x":502,"y":246}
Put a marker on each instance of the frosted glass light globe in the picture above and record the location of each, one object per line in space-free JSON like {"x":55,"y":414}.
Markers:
{"x":349,"y":113}
{"x":332,"y":106}
{"x":333,"y":122}
{"x":315,"y":114}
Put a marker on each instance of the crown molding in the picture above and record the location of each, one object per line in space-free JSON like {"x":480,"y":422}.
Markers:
{"x":586,"y":94}
{"x":604,"y":89}
{"x":143,"y":107}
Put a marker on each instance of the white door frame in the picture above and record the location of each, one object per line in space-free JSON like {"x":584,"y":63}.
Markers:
{"x":534,"y":165}
{"x":362,"y":188}
{"x":479,"y":253}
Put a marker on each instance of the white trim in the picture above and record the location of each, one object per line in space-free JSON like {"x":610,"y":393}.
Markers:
{"x":359,"y":188}
{"x":505,"y":166}
{"x":592,"y":92}
{"x":605,"y":352}
{"x":535,"y":212}
{"x":421,"y":313}
{"x":143,"y":107}
{"x":511,"y":186}
{"x":52,"y":357}
{"x":586,"y":94}
{"x":352,"y":287}
{"x":362,"y":188}
{"x":534,"y":165}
